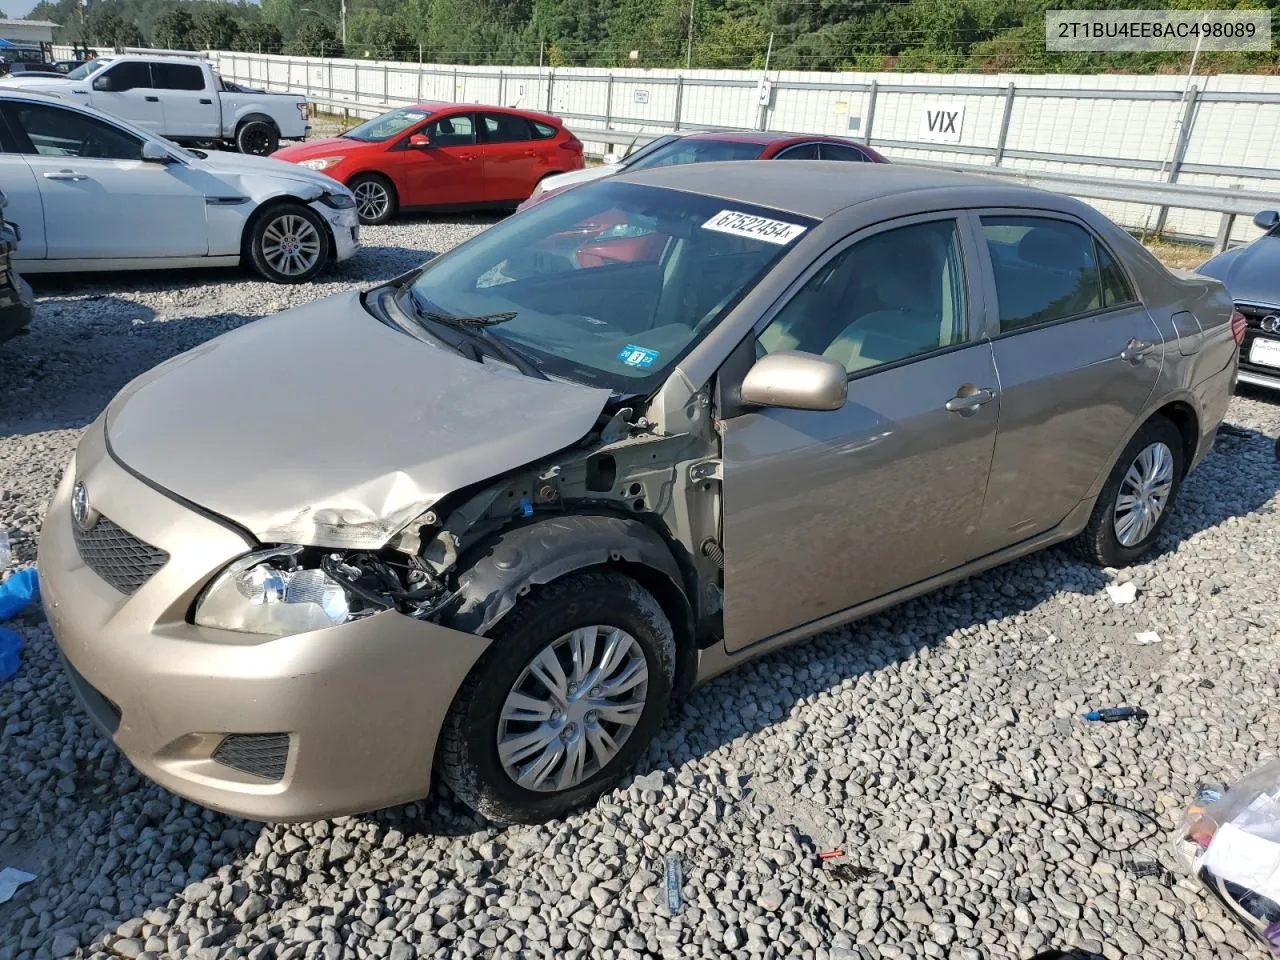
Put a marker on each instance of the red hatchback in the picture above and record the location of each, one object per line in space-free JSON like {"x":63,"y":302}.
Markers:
{"x":442,"y":156}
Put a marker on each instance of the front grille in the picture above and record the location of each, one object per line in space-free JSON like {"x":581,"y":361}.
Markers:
{"x":261,"y":754}
{"x":1253,"y":316}
{"x":117,"y":556}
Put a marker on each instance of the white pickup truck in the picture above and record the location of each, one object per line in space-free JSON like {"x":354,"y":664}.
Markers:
{"x":181,"y":99}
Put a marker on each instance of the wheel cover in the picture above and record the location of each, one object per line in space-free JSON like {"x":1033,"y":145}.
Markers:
{"x":372,"y":200}
{"x":1144,"y":494}
{"x":572,"y":708}
{"x":255,"y":141}
{"x":291,"y":245}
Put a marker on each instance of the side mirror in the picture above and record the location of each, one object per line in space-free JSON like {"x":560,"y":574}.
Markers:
{"x":797,"y":381}
{"x":1266,"y":220}
{"x":419,"y":141}
{"x":152,"y":152}
{"x":611,"y":159}
{"x":105,"y":84}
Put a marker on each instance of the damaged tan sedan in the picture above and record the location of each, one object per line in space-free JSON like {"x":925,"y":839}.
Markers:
{"x":487,"y":519}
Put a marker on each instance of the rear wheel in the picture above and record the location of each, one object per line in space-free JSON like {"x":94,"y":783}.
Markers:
{"x":375,"y":198}
{"x":575,"y":684}
{"x":1134,"y":505}
{"x":289,"y":244}
{"x":258,"y":137}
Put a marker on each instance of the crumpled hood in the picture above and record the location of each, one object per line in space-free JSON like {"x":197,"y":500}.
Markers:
{"x":1251,"y":273}
{"x":242,"y":164}
{"x":325,"y":427}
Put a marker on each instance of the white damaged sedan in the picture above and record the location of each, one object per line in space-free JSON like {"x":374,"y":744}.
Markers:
{"x":90,"y":191}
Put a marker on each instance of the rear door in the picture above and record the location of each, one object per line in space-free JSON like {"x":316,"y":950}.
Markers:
{"x":126,"y":90}
{"x":1078,"y":357}
{"x":801,"y":151}
{"x":842,"y":152}
{"x":189,"y":109}
{"x":100,"y":200}
{"x":447,"y":171}
{"x":513,"y":161}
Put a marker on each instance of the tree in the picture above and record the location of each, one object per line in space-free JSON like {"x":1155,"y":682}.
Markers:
{"x":315,"y":40}
{"x":215,"y":28}
{"x":112,"y":30}
{"x":175,"y":30}
{"x":258,"y":37}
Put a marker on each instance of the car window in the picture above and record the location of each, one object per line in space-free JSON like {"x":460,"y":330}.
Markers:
{"x":1115,"y":285}
{"x":85,"y":69}
{"x":838,"y":151}
{"x":542,"y":131}
{"x":456,"y":130}
{"x":54,"y":132}
{"x":177,"y":76}
{"x":894,"y":295}
{"x":129,"y":75}
{"x":653,"y":146}
{"x":801,"y":151}
{"x":505,"y":128}
{"x":387,"y":125}
{"x":1046,"y":270}
{"x":693,"y":150}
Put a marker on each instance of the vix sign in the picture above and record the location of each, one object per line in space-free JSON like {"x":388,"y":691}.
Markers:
{"x":941,"y":121}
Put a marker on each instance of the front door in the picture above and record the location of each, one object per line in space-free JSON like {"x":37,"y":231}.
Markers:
{"x":100,"y":199}
{"x":1078,"y":357}
{"x":125,"y":90}
{"x":447,"y":171}
{"x":825,"y":510}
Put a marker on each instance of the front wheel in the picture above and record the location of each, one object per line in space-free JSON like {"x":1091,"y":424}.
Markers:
{"x":572,"y":689}
{"x":258,"y":137}
{"x":375,"y":198}
{"x":289,"y":244}
{"x":1134,"y":505}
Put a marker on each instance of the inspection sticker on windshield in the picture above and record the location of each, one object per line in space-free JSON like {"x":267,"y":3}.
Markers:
{"x":757,"y":228}
{"x":641,"y":357}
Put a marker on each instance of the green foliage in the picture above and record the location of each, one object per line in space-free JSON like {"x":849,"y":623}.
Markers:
{"x":259,"y":37}
{"x":314,"y":40}
{"x":175,"y":30}
{"x":215,"y":28}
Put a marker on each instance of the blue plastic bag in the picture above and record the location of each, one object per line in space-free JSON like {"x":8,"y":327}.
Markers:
{"x":10,"y":648}
{"x":18,"y":591}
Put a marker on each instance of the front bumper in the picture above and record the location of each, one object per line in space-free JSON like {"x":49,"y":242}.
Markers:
{"x":359,"y":705}
{"x":345,"y":227}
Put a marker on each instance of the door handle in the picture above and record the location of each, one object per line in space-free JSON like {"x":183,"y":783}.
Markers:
{"x":64,"y":175}
{"x":152,"y":99}
{"x":203,"y":100}
{"x":1135,"y":350}
{"x":531,"y":153}
{"x":466,"y":156}
{"x":969,"y":398}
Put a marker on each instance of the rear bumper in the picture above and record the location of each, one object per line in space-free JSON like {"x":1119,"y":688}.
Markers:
{"x":352,"y":711}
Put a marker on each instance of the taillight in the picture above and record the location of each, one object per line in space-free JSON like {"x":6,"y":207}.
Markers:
{"x":1238,"y":325}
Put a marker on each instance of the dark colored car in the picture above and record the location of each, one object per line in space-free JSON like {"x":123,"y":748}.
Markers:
{"x":21,"y":67}
{"x":1252,"y":276}
{"x":15,"y":295}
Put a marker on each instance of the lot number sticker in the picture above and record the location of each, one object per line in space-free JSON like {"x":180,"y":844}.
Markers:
{"x":641,"y":357}
{"x":756,"y":228}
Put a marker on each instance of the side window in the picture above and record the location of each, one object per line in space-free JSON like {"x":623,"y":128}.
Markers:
{"x":1045,"y":270}
{"x":129,"y":75}
{"x":505,"y":128}
{"x":803,"y":151}
{"x":542,"y":131}
{"x":457,"y":130}
{"x":1115,"y":285}
{"x":177,"y":76}
{"x":894,"y":295}
{"x":838,"y":151}
{"x":54,"y":132}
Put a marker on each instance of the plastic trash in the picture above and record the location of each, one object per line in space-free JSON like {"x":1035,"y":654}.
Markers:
{"x":1146,"y":638}
{"x":10,"y":880}
{"x":1230,"y":841}
{"x":10,"y":652}
{"x":18,"y":591}
{"x":1122,"y":593}
{"x":1112,"y":714}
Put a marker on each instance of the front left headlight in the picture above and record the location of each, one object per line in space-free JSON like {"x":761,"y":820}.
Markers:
{"x":320,"y":163}
{"x":338,"y":201}
{"x":269,"y":592}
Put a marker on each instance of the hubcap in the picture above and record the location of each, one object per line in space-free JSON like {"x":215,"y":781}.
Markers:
{"x":1144,"y":493}
{"x":572,"y":708}
{"x":291,"y":245}
{"x":371,"y":200}
{"x":256,"y":142}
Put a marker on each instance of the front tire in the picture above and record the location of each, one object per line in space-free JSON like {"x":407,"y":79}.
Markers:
{"x":574,"y":686}
{"x":258,"y":137}
{"x":375,"y":198}
{"x":289,"y":244}
{"x":1134,"y":505}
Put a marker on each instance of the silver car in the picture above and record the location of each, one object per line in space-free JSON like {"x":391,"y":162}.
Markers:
{"x":487,"y":519}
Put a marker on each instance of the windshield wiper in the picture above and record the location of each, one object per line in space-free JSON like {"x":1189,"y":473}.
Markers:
{"x":475,"y":328}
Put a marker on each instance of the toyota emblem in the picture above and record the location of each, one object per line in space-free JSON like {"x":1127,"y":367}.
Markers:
{"x":83,"y":514}
{"x":1271,"y":323}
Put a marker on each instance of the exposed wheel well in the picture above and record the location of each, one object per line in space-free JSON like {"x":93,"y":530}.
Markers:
{"x":266,"y":207}
{"x":676,"y":606}
{"x":250,"y":117}
{"x":1183,"y":416}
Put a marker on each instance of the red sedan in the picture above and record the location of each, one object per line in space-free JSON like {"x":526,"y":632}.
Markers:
{"x":700,"y":147}
{"x":442,"y":156}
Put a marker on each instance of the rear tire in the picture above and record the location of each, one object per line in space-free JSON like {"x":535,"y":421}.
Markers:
{"x":289,"y":243}
{"x":1135,"y":502}
{"x":260,"y":138}
{"x":375,"y":198}
{"x":600,"y":606}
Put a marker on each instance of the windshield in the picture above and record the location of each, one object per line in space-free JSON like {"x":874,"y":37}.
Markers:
{"x":82,"y":71}
{"x":611,"y":284}
{"x":651,"y":147}
{"x":693,"y":150}
{"x":387,"y":126}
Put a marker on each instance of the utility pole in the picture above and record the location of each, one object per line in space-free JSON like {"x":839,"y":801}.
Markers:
{"x":344,"y":27}
{"x":688,"y":56}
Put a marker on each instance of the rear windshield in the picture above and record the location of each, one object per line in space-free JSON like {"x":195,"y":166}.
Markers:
{"x":693,"y":150}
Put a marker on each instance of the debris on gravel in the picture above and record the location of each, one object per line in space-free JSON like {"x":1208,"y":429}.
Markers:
{"x":900,"y":740}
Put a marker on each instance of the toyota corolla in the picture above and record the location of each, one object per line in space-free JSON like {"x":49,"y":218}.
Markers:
{"x":486,"y":519}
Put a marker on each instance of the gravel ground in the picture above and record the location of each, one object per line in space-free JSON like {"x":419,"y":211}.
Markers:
{"x":895,"y":740}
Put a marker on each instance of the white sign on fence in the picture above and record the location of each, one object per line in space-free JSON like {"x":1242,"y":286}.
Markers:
{"x":941,"y":121}
{"x":642,"y":96}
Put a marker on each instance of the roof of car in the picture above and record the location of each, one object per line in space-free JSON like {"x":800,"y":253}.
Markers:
{"x":434,"y":105}
{"x":816,"y":188}
{"x":758,"y":136}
